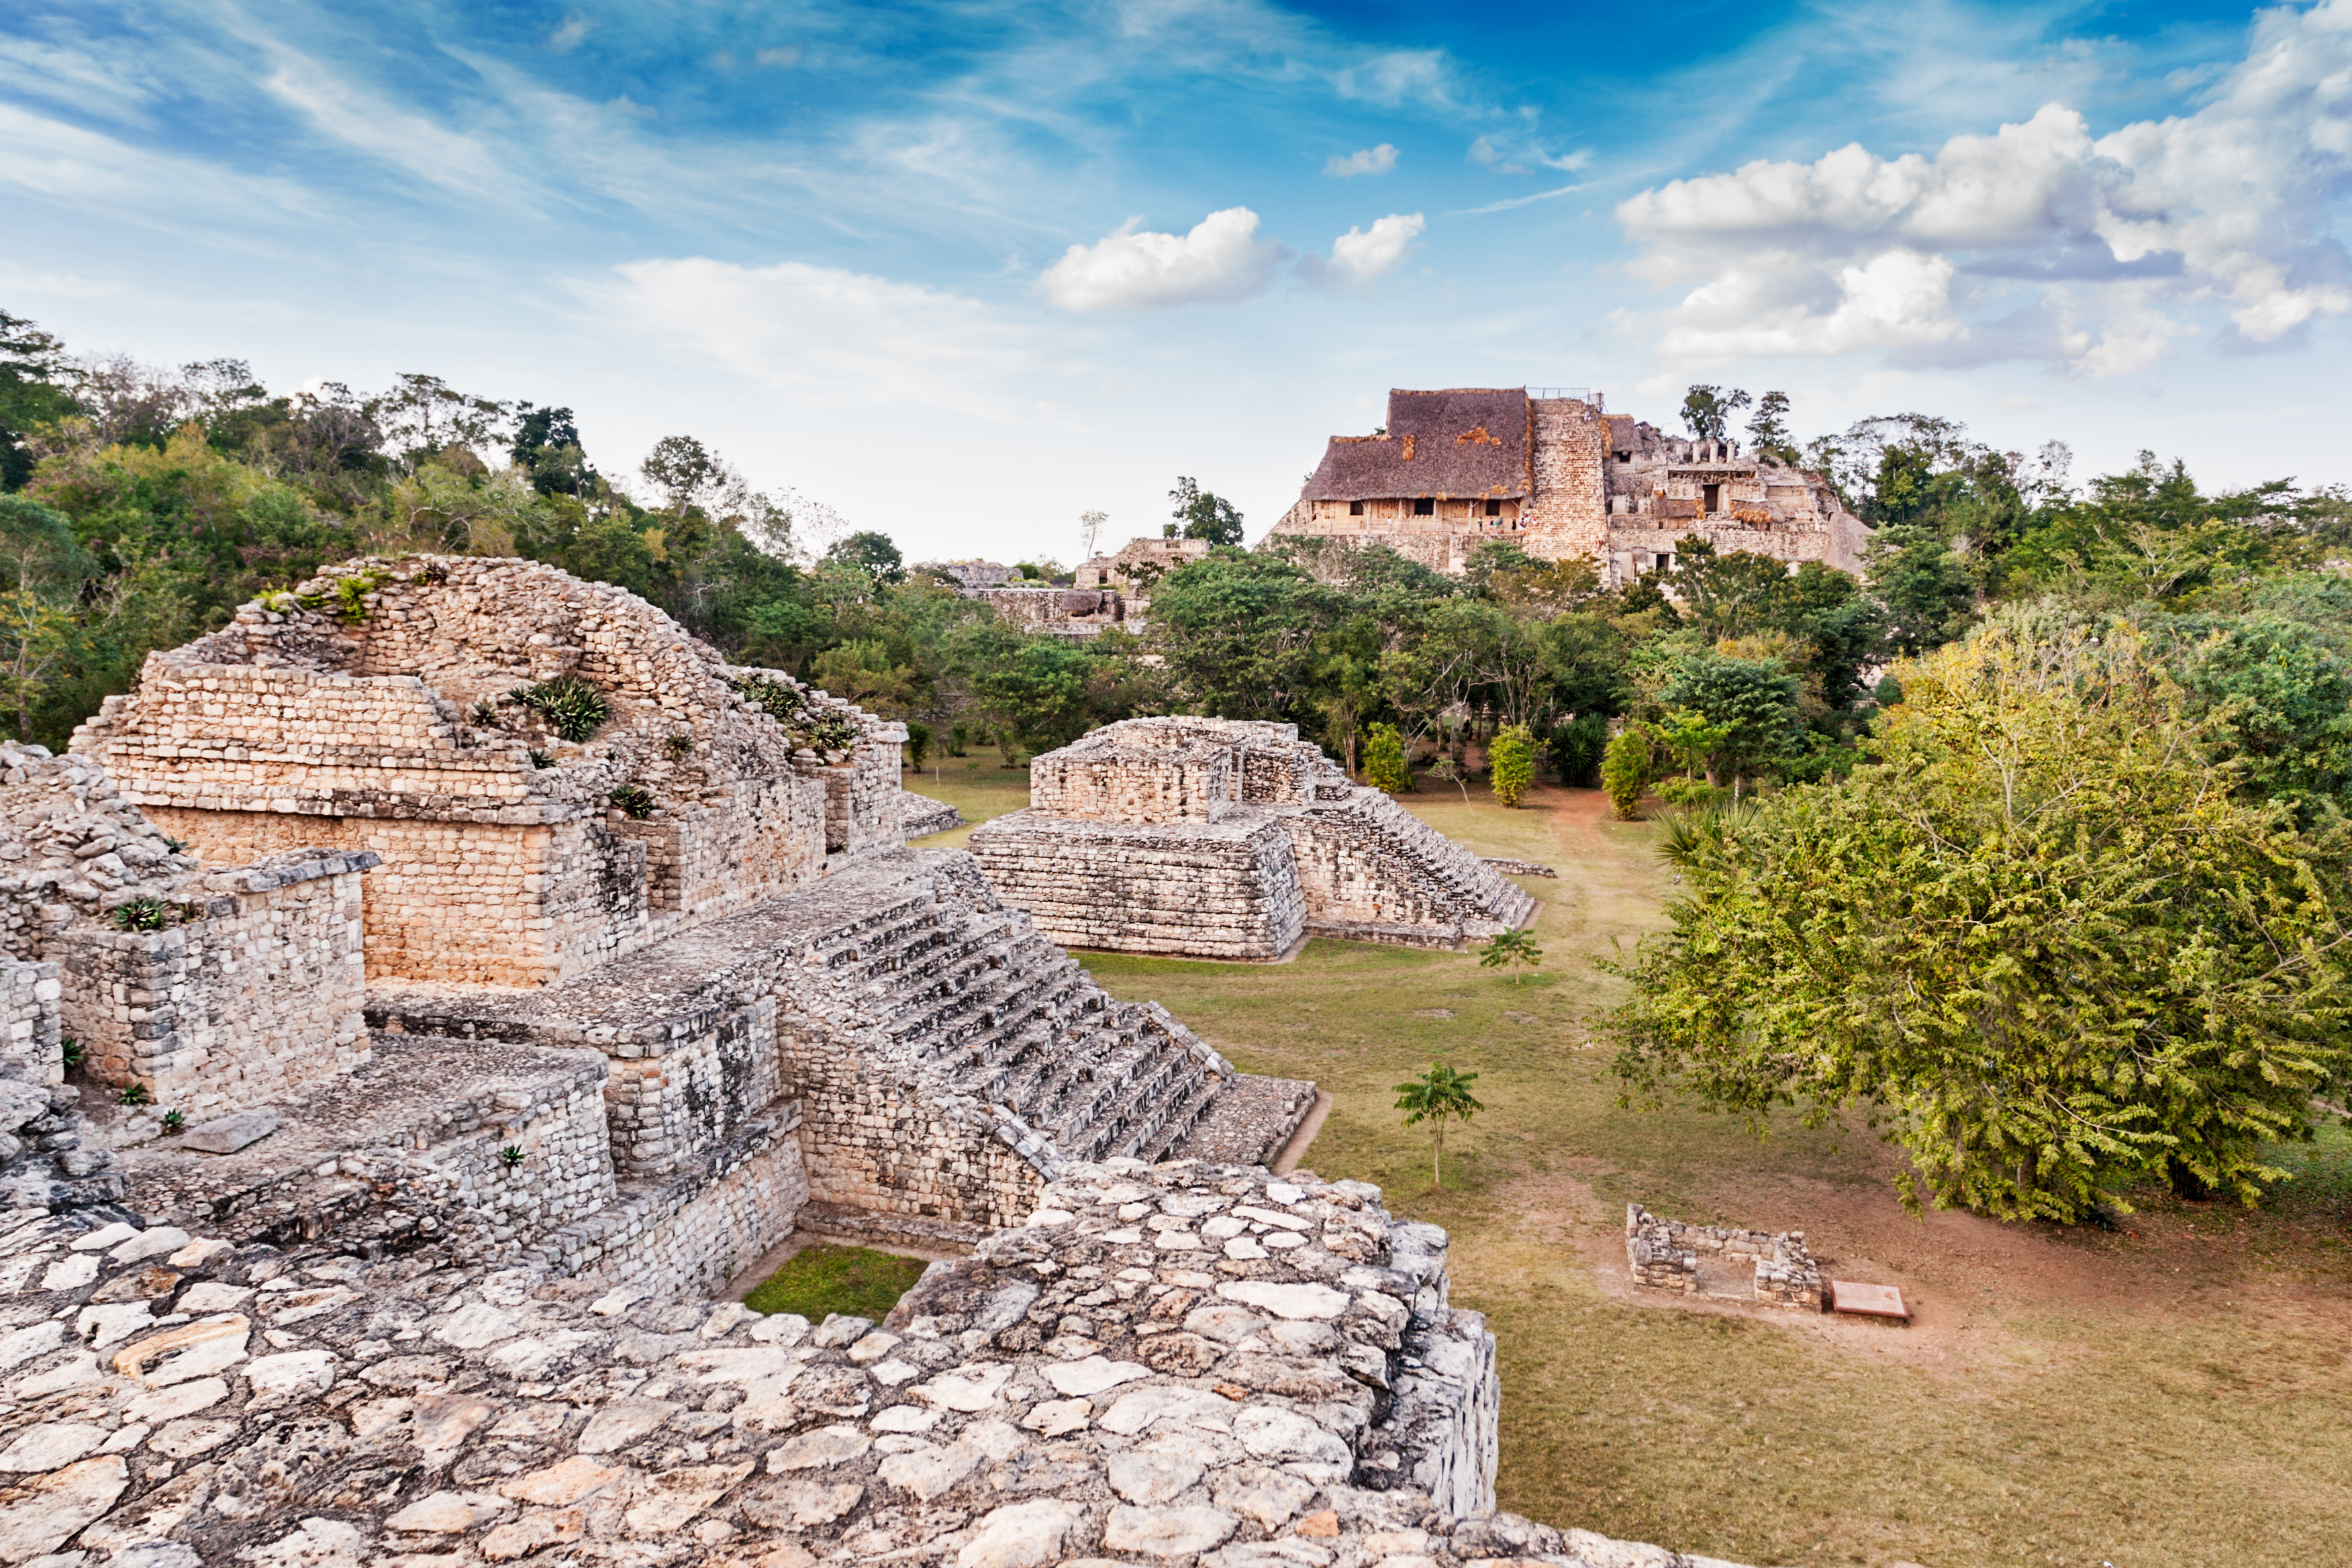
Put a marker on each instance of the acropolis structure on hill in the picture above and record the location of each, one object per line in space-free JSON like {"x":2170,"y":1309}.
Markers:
{"x":1551,"y":470}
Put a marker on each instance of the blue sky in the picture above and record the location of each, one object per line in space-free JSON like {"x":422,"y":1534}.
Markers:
{"x":963,"y":270}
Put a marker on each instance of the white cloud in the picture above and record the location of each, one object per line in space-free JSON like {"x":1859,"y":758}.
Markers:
{"x":826,"y":336}
{"x":1377,"y":160}
{"x":1360,"y":256}
{"x":1221,"y":262}
{"x":2110,"y":242}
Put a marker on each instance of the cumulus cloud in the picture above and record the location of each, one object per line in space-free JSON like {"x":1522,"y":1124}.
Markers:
{"x":1377,"y":160}
{"x":1361,"y":255}
{"x":1221,"y":262}
{"x":2103,"y":246}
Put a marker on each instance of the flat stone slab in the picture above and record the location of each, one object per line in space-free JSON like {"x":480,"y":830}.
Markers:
{"x":1868,"y":1300}
{"x":230,"y":1134}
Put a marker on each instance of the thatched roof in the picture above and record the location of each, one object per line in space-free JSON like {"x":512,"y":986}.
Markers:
{"x":1468,"y":442}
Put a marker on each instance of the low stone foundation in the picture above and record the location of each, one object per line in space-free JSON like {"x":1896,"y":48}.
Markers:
{"x":1711,"y":1260}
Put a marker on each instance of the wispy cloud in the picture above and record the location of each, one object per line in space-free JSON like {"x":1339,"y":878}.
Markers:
{"x":1377,"y":160}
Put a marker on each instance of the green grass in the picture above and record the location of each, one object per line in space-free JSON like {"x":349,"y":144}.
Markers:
{"x":2174,"y":1391}
{"x":821,"y":1278}
{"x":979,"y":785}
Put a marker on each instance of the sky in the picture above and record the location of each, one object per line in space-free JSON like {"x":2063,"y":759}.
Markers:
{"x":964,"y":270}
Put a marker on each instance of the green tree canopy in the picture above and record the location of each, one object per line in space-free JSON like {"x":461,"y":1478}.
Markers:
{"x":2043,"y":935}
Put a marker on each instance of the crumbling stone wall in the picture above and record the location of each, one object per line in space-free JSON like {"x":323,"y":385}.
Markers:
{"x":257,"y":990}
{"x":1568,"y":515}
{"x":32,"y":1040}
{"x":1668,"y":1255}
{"x":1226,"y":839}
{"x":386,"y":693}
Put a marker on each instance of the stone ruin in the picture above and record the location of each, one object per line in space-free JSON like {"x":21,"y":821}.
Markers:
{"x":1711,"y":1260}
{"x":1167,"y":1367}
{"x":1549,"y":470}
{"x":556,"y":1035}
{"x":1229,"y":839}
{"x":630,"y":988}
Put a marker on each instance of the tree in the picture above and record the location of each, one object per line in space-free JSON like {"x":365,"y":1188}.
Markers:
{"x":1511,"y":764}
{"x":1238,"y":632}
{"x":1384,"y":764}
{"x":1707,"y":410}
{"x":1625,"y":769}
{"x":33,"y":369}
{"x":1748,"y":705}
{"x":1511,"y":949}
{"x":1030,"y":691}
{"x":1445,"y":770}
{"x":2041,"y":936}
{"x":1768,"y":430}
{"x":1434,"y":1096}
{"x":1204,"y":515}
{"x":1090,"y":527}
{"x":871,"y":552}
{"x":1576,"y":746}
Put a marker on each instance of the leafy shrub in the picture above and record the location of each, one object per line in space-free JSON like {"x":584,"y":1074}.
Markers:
{"x":1576,"y":749}
{"x":919,"y":742}
{"x":133,"y":1094}
{"x":1691,"y":794}
{"x":174,"y":1120}
{"x":141,"y":914}
{"x":779,"y":699}
{"x":677,"y":748}
{"x":571,"y":706}
{"x":540,"y":759}
{"x":1625,"y":771}
{"x":510,"y":1156}
{"x":75,"y":1053}
{"x":832,"y":732}
{"x":1511,"y":764}
{"x":633,"y":799}
{"x":958,"y":739}
{"x":1384,"y":766}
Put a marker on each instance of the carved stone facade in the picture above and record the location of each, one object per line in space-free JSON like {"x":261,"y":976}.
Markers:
{"x":1552,"y":472}
{"x":1229,"y":839}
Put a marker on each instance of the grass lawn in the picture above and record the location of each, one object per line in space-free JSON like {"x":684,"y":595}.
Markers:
{"x":823,"y":1277}
{"x":2175,"y":1392}
{"x":979,"y":785}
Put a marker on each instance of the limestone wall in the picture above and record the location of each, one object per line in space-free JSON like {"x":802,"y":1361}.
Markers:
{"x":691,"y":1233}
{"x":1153,"y":836}
{"x":258,"y":994}
{"x":1669,"y":1255}
{"x":673,"y":1096}
{"x":1373,"y":871}
{"x":1568,"y":515}
{"x":515,"y":854}
{"x":29,"y":1028}
{"x":1227,"y":890}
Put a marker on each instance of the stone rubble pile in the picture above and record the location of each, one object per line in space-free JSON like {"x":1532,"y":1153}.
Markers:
{"x":1706,"y":1259}
{"x":1173,"y":1366}
{"x":71,"y":849}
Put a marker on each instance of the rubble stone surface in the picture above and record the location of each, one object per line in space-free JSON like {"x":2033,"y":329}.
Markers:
{"x":1776,"y":1269}
{"x":1128,"y":1379}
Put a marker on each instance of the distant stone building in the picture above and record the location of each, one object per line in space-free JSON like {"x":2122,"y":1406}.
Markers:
{"x":1105,"y":591}
{"x":1551,"y":470}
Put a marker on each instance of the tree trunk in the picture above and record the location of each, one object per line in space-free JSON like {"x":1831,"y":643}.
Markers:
{"x":1437,"y":1161}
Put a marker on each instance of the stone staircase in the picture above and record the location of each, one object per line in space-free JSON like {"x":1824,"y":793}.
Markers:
{"x":968,"y":993}
{"x":1418,"y":865}
{"x":894,"y":1016}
